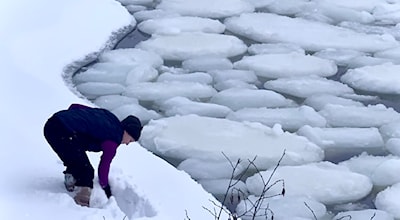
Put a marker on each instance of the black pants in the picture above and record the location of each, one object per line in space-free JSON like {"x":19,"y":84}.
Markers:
{"x":70,"y":150}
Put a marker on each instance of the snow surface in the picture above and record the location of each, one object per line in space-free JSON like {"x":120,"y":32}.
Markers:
{"x":214,"y":81}
{"x":33,"y":88}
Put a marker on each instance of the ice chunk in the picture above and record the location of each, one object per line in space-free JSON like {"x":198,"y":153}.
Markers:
{"x":291,"y":119}
{"x":198,"y":77}
{"x":148,"y":91}
{"x":304,"y":87}
{"x":184,"y":106}
{"x":237,"y":98}
{"x":189,"y":45}
{"x":235,"y":139}
{"x":176,"y":25}
{"x":325,"y":182}
{"x":318,"y":102}
{"x":362,"y":117}
{"x":287,"y":65}
{"x":359,"y":138}
{"x":207,"y":63}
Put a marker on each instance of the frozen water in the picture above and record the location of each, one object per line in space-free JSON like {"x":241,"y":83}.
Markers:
{"x":392,"y":54}
{"x":387,"y":13}
{"x":365,"y":214}
{"x":198,"y":77}
{"x":342,"y":57}
{"x":247,"y":76}
{"x":206,"y":8}
{"x":136,"y":2}
{"x":280,"y":207}
{"x":301,"y":32}
{"x":104,"y":72}
{"x":135,"y":8}
{"x":385,"y":78}
{"x":154,"y":14}
{"x":360,"y":138}
{"x":393,"y":146}
{"x":233,"y":83}
{"x":287,"y":65}
{"x":141,"y":73}
{"x":95,"y":89}
{"x":113,"y":101}
{"x":319,"y":101}
{"x":390,"y":130}
{"x":209,"y":169}
{"x":144,"y":114}
{"x":315,"y":180}
{"x":387,"y":200}
{"x":207,"y":63}
{"x":131,"y":56}
{"x":176,"y":25}
{"x":305,"y":87}
{"x":184,"y":106}
{"x":189,"y":45}
{"x":372,"y":29}
{"x":362,"y":117}
{"x":233,"y":191}
{"x":234,"y":139}
{"x":291,"y":119}
{"x":367,"y":61}
{"x":237,"y":99}
{"x":151,"y":91}
{"x":380,"y":169}
{"x":275,"y":48}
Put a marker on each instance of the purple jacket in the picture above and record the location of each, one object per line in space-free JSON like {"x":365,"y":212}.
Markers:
{"x":98,"y":129}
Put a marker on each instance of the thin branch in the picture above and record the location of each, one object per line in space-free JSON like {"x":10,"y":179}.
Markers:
{"x":259,"y":201}
{"x":251,"y":163}
{"x":230,"y":162}
{"x":276,"y":166}
{"x":313,"y":213}
{"x":346,"y":216}
{"x":255,"y":205}
{"x":187,"y":215}
{"x":234,"y":167}
{"x":373,"y":216}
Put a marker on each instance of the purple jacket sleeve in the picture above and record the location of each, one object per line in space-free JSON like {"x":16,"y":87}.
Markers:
{"x":109,"y":151}
{"x":76,"y":106}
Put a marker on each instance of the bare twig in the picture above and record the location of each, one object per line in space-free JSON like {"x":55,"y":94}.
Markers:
{"x":266,"y":187}
{"x":251,"y":211}
{"x":187,"y":215}
{"x":346,"y":216}
{"x":313,"y":213}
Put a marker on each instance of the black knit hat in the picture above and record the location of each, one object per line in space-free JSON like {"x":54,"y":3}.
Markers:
{"x":132,"y":125}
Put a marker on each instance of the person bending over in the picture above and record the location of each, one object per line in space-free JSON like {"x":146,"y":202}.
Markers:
{"x":80,"y":128}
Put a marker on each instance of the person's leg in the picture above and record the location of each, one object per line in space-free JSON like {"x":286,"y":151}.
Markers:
{"x":69,"y":149}
{"x":80,"y":167}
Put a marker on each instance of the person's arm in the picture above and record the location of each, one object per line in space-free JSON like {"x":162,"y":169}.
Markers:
{"x":78,"y":106}
{"x":109,"y":151}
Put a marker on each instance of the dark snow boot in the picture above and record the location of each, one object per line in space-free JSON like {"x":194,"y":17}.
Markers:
{"x":69,"y":182}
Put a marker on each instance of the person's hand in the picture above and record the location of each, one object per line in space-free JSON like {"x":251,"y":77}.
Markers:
{"x":83,"y":196}
{"x":107,"y":190}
